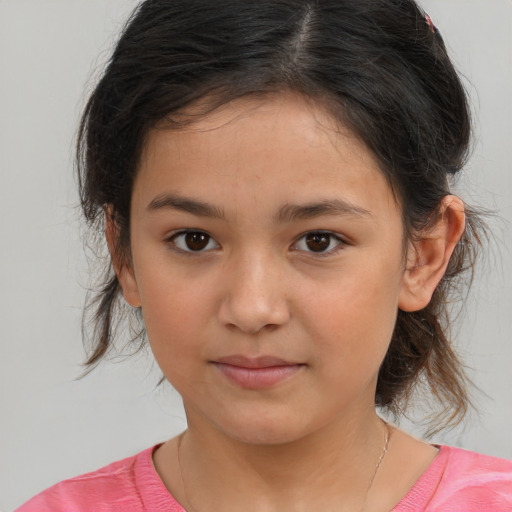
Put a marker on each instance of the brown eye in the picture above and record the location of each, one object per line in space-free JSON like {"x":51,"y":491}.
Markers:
{"x":194,"y":241}
{"x":318,"y":242}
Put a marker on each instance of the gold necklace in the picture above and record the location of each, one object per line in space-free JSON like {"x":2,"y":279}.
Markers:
{"x":377,"y":466}
{"x":363,"y":506}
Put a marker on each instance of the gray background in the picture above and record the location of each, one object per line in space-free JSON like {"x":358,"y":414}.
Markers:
{"x":54,"y":427}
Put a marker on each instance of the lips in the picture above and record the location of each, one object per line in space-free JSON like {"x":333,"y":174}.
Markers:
{"x":256,"y":373}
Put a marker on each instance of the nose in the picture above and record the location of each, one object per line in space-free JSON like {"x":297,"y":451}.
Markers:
{"x":255,"y":295}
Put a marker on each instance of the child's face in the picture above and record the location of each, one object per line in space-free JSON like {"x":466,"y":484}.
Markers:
{"x":261,"y":232}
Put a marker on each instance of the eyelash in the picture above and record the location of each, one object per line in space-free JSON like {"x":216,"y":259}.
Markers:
{"x":171,"y":240}
{"x":340,"y":243}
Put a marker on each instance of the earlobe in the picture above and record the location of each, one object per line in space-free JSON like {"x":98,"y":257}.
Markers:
{"x":428,"y":256}
{"x":123,"y":271}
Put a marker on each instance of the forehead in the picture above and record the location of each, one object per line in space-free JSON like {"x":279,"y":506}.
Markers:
{"x":277,"y":148}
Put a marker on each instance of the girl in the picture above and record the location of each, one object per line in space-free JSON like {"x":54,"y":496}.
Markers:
{"x":273,"y":180}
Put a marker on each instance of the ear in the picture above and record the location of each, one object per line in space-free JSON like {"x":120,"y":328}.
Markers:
{"x":428,"y":256}
{"x":123,"y":269}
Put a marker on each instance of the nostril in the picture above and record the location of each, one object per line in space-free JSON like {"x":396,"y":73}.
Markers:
{"x":251,"y":317}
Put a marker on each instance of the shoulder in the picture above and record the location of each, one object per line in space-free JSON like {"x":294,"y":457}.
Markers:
{"x":112,"y":488}
{"x":473,"y":482}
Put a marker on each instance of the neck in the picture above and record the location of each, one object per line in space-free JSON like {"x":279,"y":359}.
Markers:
{"x":338,"y":463}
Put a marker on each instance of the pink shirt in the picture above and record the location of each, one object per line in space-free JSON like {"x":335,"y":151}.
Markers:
{"x":456,"y":481}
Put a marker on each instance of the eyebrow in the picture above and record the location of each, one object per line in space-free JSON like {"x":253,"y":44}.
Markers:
{"x":291,"y":212}
{"x":287,"y":213}
{"x":184,"y":204}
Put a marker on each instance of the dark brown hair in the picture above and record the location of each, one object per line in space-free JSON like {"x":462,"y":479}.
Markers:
{"x":376,"y":65}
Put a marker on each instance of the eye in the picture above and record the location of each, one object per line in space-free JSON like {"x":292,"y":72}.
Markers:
{"x":319,"y":242}
{"x":193,"y":241}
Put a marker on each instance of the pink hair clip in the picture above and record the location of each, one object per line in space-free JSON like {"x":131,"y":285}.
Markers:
{"x":428,"y":19}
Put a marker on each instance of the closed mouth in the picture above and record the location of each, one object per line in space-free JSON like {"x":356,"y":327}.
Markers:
{"x":256,"y":373}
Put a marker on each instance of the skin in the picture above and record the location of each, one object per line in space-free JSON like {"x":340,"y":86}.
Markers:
{"x":258,"y":289}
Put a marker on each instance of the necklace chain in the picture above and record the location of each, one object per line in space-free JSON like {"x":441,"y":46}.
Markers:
{"x":379,"y":462}
{"x":180,"y":439}
{"x":363,"y":506}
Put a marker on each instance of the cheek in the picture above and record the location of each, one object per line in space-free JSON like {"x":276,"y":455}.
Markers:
{"x":356,"y":318}
{"x":175,"y":312}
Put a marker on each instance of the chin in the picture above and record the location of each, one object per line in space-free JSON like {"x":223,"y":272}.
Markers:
{"x":264,"y":430}
{"x":264,"y":437}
